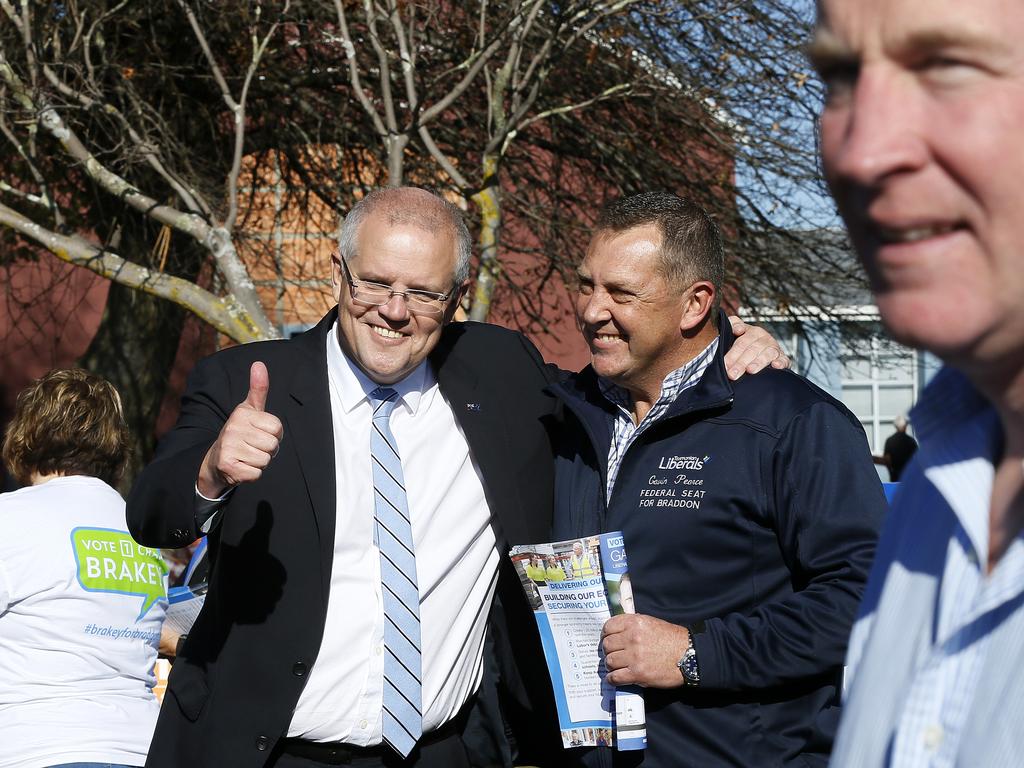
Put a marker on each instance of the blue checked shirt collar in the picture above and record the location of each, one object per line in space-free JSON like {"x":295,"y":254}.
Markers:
{"x":624,"y":431}
{"x":960,"y":435}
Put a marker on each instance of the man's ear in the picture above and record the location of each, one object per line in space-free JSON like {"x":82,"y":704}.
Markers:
{"x":454,"y":307}
{"x":697,"y":303}
{"x":336,"y":277}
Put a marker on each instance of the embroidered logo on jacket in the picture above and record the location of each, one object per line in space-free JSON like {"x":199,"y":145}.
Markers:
{"x":683,"y":462}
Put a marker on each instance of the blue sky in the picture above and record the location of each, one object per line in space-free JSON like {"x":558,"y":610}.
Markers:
{"x":801,"y":205}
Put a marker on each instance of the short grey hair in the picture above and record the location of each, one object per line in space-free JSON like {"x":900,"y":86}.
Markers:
{"x":410,"y":205}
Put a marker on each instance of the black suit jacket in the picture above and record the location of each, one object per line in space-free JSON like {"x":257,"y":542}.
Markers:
{"x":233,"y":689}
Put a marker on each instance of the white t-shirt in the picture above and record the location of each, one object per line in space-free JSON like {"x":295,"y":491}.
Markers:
{"x":81,"y":606}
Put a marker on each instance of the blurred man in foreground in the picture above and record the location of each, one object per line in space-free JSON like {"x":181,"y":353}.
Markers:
{"x":80,"y":604}
{"x":920,"y":138}
{"x":899,"y":449}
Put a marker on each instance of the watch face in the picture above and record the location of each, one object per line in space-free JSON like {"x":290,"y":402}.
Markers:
{"x":688,"y":665}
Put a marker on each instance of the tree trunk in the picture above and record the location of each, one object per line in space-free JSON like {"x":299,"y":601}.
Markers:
{"x":134,"y":348}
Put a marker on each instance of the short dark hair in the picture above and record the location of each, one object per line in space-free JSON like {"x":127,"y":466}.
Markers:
{"x":691,"y":247}
{"x":69,"y":422}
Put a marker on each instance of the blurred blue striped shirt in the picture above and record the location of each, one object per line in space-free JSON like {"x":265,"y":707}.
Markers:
{"x":922,"y":651}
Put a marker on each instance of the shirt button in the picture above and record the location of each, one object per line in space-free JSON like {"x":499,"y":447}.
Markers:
{"x":262,"y":742}
{"x":933,"y":736}
{"x":363,"y":724}
{"x":299,"y":669}
{"x":378,"y":650}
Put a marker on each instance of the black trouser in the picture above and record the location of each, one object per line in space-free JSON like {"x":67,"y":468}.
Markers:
{"x":446,"y":753}
{"x":440,"y":749}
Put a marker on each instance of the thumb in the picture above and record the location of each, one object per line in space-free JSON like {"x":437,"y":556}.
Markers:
{"x":259,"y":386}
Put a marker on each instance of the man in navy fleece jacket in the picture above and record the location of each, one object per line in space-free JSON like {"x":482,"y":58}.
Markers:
{"x":750,"y":509}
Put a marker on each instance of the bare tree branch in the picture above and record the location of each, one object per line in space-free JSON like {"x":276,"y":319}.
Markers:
{"x":237,"y":107}
{"x":221,"y":312}
{"x":148,"y":150}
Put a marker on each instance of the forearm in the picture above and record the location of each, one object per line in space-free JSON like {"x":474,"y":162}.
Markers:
{"x":800,"y":637}
{"x":161,"y":508}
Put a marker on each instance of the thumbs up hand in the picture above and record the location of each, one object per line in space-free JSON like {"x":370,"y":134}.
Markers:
{"x":247,"y":442}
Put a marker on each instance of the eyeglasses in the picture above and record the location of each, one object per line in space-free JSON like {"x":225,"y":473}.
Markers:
{"x":371,"y":294}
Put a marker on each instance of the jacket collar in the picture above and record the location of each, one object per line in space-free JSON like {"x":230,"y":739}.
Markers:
{"x":582,"y":394}
{"x":306,"y":387}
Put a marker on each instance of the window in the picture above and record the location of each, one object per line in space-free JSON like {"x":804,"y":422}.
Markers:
{"x":874,"y":377}
{"x":879,"y":382}
{"x":290,"y":330}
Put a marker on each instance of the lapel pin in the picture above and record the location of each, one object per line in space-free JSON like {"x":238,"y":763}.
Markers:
{"x":474,"y":407}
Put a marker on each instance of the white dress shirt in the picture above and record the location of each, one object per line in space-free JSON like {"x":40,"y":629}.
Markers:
{"x":456,"y":561}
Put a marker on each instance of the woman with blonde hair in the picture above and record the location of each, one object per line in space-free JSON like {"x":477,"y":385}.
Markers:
{"x":80,"y":603}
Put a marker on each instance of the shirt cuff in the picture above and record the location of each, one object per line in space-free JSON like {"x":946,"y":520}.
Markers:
{"x":206,"y":509}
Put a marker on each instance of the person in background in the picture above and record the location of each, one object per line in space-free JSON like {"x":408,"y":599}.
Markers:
{"x":899,"y":449}
{"x":196,"y":577}
{"x":80,"y":604}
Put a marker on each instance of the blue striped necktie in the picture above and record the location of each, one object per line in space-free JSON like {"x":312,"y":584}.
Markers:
{"x":403,"y":711}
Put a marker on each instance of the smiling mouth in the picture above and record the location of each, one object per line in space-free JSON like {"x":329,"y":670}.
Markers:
{"x":605,"y":340}
{"x":386,"y":333}
{"x":901,"y":235}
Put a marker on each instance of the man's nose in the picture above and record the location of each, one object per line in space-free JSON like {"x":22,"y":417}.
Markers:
{"x":878,"y":128}
{"x":593,"y":308}
{"x":396,"y":308}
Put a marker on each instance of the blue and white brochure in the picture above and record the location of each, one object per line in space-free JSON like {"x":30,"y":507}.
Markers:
{"x":574,"y":587}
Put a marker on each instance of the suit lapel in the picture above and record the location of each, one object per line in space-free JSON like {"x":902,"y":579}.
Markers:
{"x":308,"y":422}
{"x":476,"y":411}
{"x":479,"y":412}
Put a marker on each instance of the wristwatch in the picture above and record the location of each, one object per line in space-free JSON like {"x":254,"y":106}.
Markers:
{"x":688,"y":663}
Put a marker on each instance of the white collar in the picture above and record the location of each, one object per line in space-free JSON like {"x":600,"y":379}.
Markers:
{"x":353,"y":386}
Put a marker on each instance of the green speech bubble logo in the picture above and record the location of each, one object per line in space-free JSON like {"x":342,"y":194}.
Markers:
{"x":110,"y":561}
